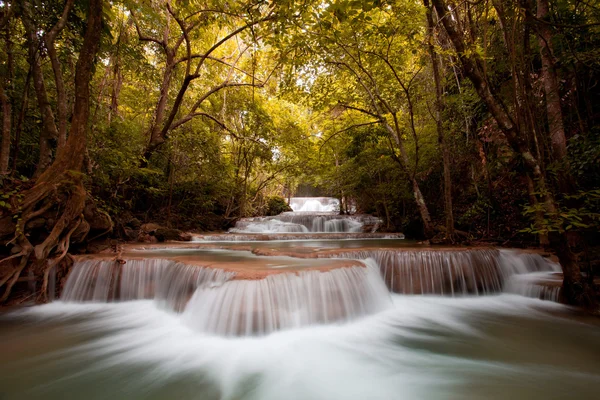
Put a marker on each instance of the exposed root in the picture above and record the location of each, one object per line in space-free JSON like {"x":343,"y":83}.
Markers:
{"x":14,"y":278}
{"x":63,"y":247}
{"x":59,"y":240}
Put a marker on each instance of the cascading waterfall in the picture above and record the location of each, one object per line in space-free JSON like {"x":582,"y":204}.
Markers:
{"x":531,"y":275}
{"x":302,"y":222}
{"x":315,"y":204}
{"x":283,"y":301}
{"x":452,"y":272}
{"x":310,"y":214}
{"x":213,"y":301}
{"x":169,"y":282}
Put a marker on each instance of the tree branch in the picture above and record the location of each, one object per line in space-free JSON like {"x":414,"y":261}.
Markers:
{"x":347,"y":129}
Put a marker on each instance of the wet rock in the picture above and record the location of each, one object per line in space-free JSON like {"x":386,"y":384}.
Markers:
{"x":165,"y":234}
{"x":98,"y":246}
{"x":131,"y":234}
{"x":81,"y":232}
{"x":134,"y":223}
{"x":146,"y":238}
{"x":98,"y":220}
{"x":150,"y":227}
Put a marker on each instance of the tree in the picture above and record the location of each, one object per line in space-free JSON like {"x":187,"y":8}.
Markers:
{"x":60,"y":185}
{"x":576,"y":289}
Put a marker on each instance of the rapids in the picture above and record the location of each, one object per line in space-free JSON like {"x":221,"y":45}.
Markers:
{"x":334,"y":316}
{"x":310,"y":214}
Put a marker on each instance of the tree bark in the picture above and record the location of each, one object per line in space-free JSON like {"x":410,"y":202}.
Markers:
{"x":6,"y":104}
{"x":439,"y":106}
{"x":49,"y":132}
{"x":556,"y":126}
{"x":20,"y":119}
{"x":61,"y":96}
{"x":6,"y":124}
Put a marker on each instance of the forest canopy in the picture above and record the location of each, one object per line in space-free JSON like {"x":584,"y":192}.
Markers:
{"x":449,"y":120}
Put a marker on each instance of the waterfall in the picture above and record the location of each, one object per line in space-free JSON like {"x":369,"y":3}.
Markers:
{"x":310,"y":214}
{"x":214,"y":301}
{"x":297,"y":222}
{"x":453,"y":272}
{"x":283,"y":301}
{"x":315,"y":204}
{"x":169,"y":282}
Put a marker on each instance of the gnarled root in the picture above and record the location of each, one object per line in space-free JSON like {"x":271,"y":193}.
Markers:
{"x":66,"y":195}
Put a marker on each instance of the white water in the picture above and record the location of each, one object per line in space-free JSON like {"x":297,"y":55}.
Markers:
{"x":451,"y":272}
{"x":310,"y":214}
{"x":489,"y":347}
{"x":160,"y":329}
{"x":300,"y":222}
{"x":315,"y":204}
{"x":214,"y":301}
{"x":287,"y":300}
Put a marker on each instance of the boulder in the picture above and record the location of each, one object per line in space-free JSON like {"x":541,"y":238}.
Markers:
{"x":164,"y":234}
{"x":150,"y":227}
{"x":98,"y":220}
{"x":134,"y":223}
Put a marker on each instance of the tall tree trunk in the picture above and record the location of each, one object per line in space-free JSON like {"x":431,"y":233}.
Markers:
{"x":154,"y":132}
{"x":439,"y":106}
{"x":6,"y":123}
{"x":61,"y":96}
{"x":6,"y":104}
{"x":20,"y":119}
{"x":49,"y":132}
{"x":60,"y":186}
{"x":556,"y":126}
{"x":403,"y":161}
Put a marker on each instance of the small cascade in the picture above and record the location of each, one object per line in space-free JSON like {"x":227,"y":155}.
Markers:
{"x":171,"y":283}
{"x":304,"y":222}
{"x":315,"y":204}
{"x":452,"y":272}
{"x":283,"y":301}
{"x":309,"y":215}
{"x":540,"y":285}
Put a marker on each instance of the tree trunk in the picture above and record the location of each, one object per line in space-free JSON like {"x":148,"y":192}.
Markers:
{"x":556,"y":126}
{"x":5,"y":102}
{"x":60,"y":186}
{"x":49,"y":132}
{"x":20,"y":119}
{"x":439,"y":106}
{"x":61,"y":96}
{"x":423,"y":210}
{"x":155,"y":137}
{"x":419,"y":199}
{"x":6,"y":123}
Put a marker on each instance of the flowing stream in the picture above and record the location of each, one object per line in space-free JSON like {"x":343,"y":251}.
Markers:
{"x":319,"y":318}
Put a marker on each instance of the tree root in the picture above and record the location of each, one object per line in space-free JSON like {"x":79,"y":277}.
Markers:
{"x":45,"y":196}
{"x":63,"y":247}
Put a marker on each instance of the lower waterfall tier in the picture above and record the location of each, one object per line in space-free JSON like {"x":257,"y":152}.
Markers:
{"x":313,"y":287}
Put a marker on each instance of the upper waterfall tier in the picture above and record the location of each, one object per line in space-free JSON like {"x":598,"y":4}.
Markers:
{"x":297,"y":223}
{"x":304,"y":222}
{"x":315,"y":204}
